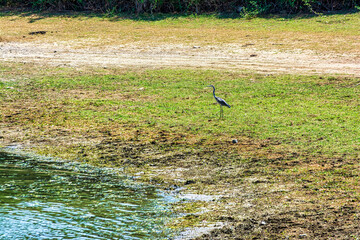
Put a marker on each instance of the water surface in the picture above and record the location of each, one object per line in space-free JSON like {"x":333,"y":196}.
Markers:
{"x":45,"y":199}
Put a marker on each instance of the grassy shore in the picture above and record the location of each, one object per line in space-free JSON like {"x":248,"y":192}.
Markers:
{"x":298,"y":135}
{"x":294,"y":171}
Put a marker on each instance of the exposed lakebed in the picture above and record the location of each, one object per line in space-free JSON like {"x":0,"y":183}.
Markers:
{"x":42,"y":198}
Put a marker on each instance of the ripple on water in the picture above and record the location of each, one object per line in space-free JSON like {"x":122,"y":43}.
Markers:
{"x":44,"y":198}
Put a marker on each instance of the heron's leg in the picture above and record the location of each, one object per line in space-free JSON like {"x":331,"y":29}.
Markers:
{"x":221,"y":112}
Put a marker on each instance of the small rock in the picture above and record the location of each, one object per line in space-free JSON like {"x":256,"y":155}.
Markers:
{"x":262,"y":223}
{"x":189,"y":182}
{"x":303,"y":235}
{"x":253,"y":55}
{"x":196,"y":47}
{"x":234,"y":141}
{"x":37,"y":32}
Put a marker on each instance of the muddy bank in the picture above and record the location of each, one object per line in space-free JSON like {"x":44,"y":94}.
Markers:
{"x":254,"y":202}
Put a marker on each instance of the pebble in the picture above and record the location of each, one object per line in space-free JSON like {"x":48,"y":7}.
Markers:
{"x":189,"y":182}
{"x":234,"y":141}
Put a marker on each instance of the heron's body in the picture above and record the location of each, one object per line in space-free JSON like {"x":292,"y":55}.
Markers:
{"x":220,"y":101}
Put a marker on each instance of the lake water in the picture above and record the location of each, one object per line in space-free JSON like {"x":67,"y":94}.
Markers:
{"x":45,"y":199}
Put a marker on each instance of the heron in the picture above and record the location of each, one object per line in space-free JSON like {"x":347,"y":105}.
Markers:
{"x":220,"y":101}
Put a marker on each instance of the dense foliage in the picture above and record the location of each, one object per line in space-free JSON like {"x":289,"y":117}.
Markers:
{"x":246,"y":7}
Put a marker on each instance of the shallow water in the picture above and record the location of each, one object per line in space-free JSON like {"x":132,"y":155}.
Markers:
{"x":45,"y":199}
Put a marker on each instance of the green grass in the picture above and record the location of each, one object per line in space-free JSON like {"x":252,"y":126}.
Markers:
{"x":309,"y":114}
{"x":336,"y":33}
{"x":341,"y":23}
{"x":298,"y":135}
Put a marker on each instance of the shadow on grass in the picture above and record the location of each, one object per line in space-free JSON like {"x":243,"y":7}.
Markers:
{"x":39,"y":15}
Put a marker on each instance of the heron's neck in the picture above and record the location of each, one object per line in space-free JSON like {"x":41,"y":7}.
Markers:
{"x":214,"y":91}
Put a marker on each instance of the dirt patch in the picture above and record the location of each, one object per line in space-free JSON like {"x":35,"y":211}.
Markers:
{"x":340,"y":223}
{"x":235,"y":57}
{"x":255,"y":202}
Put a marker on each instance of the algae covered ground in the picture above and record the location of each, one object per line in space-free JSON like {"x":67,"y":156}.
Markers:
{"x":293,"y":172}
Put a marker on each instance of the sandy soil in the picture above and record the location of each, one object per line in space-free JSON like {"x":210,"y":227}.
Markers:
{"x":207,"y":57}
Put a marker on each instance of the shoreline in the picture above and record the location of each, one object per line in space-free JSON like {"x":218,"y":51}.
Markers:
{"x":180,"y":193}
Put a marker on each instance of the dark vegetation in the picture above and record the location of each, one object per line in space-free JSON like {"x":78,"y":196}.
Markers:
{"x":241,"y":7}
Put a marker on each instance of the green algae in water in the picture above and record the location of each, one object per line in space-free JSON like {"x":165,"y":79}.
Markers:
{"x":47,"y":199}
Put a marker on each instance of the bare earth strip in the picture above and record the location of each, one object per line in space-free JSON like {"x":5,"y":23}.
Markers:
{"x":229,"y":57}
